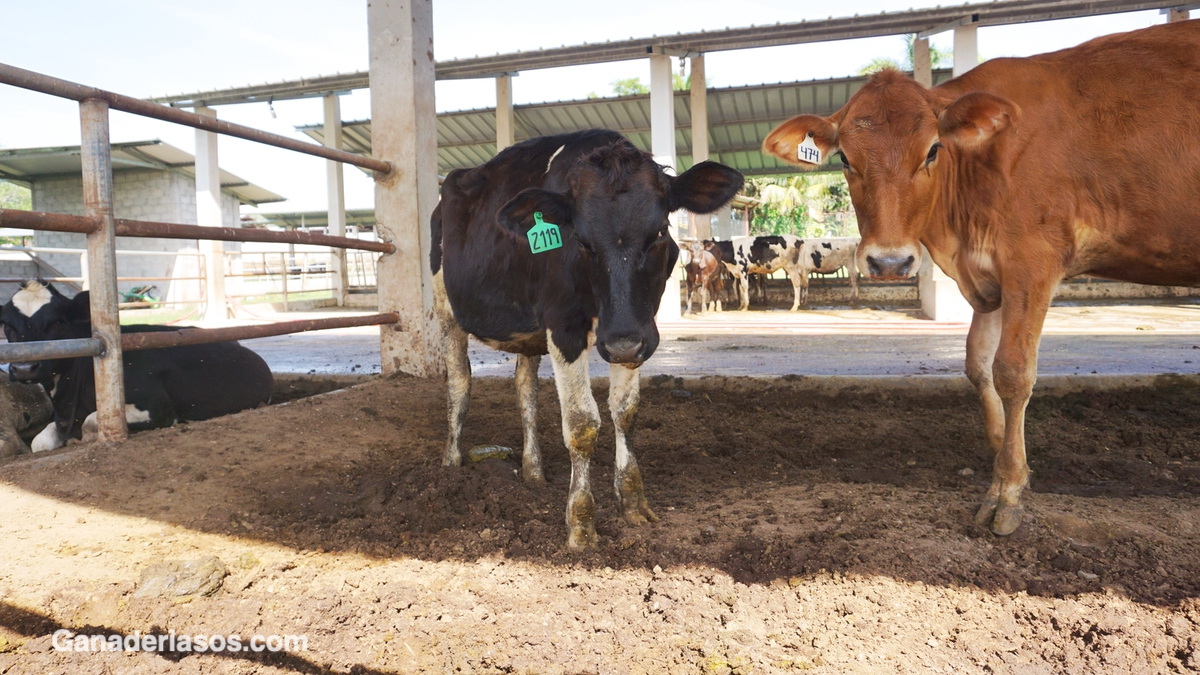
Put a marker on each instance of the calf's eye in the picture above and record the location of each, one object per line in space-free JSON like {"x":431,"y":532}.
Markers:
{"x":933,"y":153}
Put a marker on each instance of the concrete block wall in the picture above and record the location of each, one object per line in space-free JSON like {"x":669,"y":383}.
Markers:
{"x":155,"y":195}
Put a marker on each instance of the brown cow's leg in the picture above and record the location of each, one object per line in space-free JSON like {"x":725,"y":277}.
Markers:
{"x":458,"y":372}
{"x":581,"y":423}
{"x":527,"y":394}
{"x":623,"y":390}
{"x":981,"y":352}
{"x":1015,"y":371}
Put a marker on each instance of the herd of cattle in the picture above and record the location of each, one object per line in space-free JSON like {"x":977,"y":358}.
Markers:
{"x":745,"y":259}
{"x":1014,"y":176}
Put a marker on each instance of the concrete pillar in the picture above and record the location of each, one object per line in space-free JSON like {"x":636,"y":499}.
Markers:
{"x":922,"y":63}
{"x":335,"y":188}
{"x":505,"y":129}
{"x":725,"y":223}
{"x":701,"y":224}
{"x":208,"y":214}
{"x":662,"y":146}
{"x":966,"y":48}
{"x":404,"y":132}
{"x":1176,"y":14}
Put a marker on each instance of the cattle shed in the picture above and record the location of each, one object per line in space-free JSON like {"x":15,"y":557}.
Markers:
{"x":152,"y":180}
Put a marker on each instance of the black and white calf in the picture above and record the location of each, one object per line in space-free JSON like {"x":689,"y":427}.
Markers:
{"x":554,"y":245}
{"x":162,"y":386}
{"x":824,"y":256}
{"x":765,"y":255}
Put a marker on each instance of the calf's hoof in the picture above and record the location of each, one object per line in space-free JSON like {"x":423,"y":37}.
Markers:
{"x":582,"y":536}
{"x":986,"y":513}
{"x":639,"y":514}
{"x":532,"y":474}
{"x":1007,"y":520}
{"x":454,"y":459}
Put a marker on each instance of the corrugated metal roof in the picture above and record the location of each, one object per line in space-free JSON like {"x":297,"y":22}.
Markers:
{"x":739,"y":119}
{"x":25,"y":164}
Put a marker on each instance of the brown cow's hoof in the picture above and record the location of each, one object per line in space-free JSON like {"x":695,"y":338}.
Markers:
{"x":986,"y":513}
{"x":1008,"y":519}
{"x":582,"y":536}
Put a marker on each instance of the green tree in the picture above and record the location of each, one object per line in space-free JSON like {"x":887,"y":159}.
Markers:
{"x":806,"y":205}
{"x":938,"y":58}
{"x":13,"y":196}
{"x":630,"y":86}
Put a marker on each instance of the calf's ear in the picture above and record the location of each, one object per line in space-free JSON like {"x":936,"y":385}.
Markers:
{"x":516,"y":216}
{"x":80,"y":308}
{"x":972,"y":121}
{"x":804,"y":140}
{"x":704,"y":188}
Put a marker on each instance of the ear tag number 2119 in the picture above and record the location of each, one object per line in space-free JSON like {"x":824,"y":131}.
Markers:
{"x":543,"y":236}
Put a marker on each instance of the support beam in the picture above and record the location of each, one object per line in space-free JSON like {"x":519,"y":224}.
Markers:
{"x":96,"y":157}
{"x":701,"y":224}
{"x":1177,"y":14}
{"x":404,"y":132}
{"x":208,"y":214}
{"x":335,"y":188}
{"x":922,"y":63}
{"x":662,"y":146}
{"x":505,"y":129}
{"x":966,"y":48}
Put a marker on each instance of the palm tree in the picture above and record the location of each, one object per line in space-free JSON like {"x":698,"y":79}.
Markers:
{"x":938,"y":58}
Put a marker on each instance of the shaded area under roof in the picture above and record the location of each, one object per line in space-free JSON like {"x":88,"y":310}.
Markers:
{"x":363,"y":219}
{"x":26,"y":164}
{"x":914,"y":20}
{"x":739,"y":119}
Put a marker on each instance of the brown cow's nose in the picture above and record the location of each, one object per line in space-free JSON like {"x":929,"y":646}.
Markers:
{"x":889,"y":267}
{"x":625,"y":350}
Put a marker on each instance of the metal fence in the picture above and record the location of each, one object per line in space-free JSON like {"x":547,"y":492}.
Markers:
{"x":102,"y":227}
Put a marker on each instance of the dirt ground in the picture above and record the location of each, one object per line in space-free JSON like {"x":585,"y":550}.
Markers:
{"x":800,"y":531}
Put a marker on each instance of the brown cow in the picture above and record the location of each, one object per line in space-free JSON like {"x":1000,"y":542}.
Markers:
{"x":703,"y":276}
{"x":1015,"y":176}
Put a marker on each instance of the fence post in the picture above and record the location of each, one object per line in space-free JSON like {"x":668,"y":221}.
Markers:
{"x":404,"y":132}
{"x":96,"y":155}
{"x":284,"y":263}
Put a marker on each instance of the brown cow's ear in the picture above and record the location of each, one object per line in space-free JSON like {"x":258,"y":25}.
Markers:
{"x":704,"y":188}
{"x":804,"y":140}
{"x":971,"y":122}
{"x":516,"y":216}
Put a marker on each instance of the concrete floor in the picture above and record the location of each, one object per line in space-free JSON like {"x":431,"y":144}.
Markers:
{"x":1079,"y":339}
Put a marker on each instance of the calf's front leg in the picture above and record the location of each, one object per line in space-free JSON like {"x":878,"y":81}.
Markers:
{"x":581,"y":424}
{"x":623,"y":393}
{"x":982,"y":341}
{"x":527,"y":394}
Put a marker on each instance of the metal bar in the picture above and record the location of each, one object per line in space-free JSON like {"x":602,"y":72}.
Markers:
{"x":199,"y":336}
{"x":143,"y":228}
{"x":284,"y":277}
{"x":96,"y":158}
{"x":53,"y":222}
{"x":48,"y":249}
{"x":27,"y":79}
{"x":43,"y":350}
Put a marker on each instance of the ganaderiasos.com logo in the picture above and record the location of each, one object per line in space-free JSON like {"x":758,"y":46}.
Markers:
{"x":67,"y":641}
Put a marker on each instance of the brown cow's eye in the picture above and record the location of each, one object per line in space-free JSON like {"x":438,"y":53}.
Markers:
{"x":933,"y":152}
{"x":842,"y":159}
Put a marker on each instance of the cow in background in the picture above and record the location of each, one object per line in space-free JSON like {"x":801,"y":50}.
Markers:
{"x":703,"y":277}
{"x":556,"y":244}
{"x":162,"y":386}
{"x":823,"y":256}
{"x":764,"y":255}
{"x":1016,"y":175}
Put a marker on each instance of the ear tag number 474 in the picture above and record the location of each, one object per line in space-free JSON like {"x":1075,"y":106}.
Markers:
{"x":543,"y":236}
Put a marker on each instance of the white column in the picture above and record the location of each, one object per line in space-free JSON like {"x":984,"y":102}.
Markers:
{"x":662,"y":146}
{"x":335,"y":188}
{"x":702,"y":227}
{"x":725,"y":223}
{"x":208,"y":214}
{"x":404,"y":132}
{"x":505,"y":131}
{"x":1174,"y":14}
{"x":922,"y":63}
{"x":966,"y":48}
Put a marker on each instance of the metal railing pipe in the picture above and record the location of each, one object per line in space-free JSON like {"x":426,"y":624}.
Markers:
{"x":54,"y":222}
{"x":27,"y":79}
{"x":143,"y":228}
{"x":199,"y":336}
{"x":24,"y":352}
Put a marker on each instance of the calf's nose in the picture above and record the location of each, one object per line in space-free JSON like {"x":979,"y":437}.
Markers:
{"x":889,"y":267}
{"x":625,"y":350}
{"x":22,"y":371}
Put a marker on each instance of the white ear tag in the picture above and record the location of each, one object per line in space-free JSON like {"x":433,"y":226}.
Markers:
{"x":808,"y":151}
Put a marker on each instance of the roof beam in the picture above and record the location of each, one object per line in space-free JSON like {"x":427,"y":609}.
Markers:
{"x":917,"y":21}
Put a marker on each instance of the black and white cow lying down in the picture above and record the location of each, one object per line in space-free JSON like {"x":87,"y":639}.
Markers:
{"x":162,"y":386}
{"x":594,"y":276}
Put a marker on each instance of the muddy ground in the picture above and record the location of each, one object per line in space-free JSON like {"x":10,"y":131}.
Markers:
{"x":800,"y":531}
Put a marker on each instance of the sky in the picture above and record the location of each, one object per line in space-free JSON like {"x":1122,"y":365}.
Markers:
{"x":146,"y":48}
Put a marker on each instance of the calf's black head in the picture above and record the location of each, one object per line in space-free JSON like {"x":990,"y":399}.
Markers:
{"x":615,"y":211}
{"x":39,"y":312}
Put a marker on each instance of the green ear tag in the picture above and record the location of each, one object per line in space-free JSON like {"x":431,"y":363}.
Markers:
{"x":543,"y":236}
